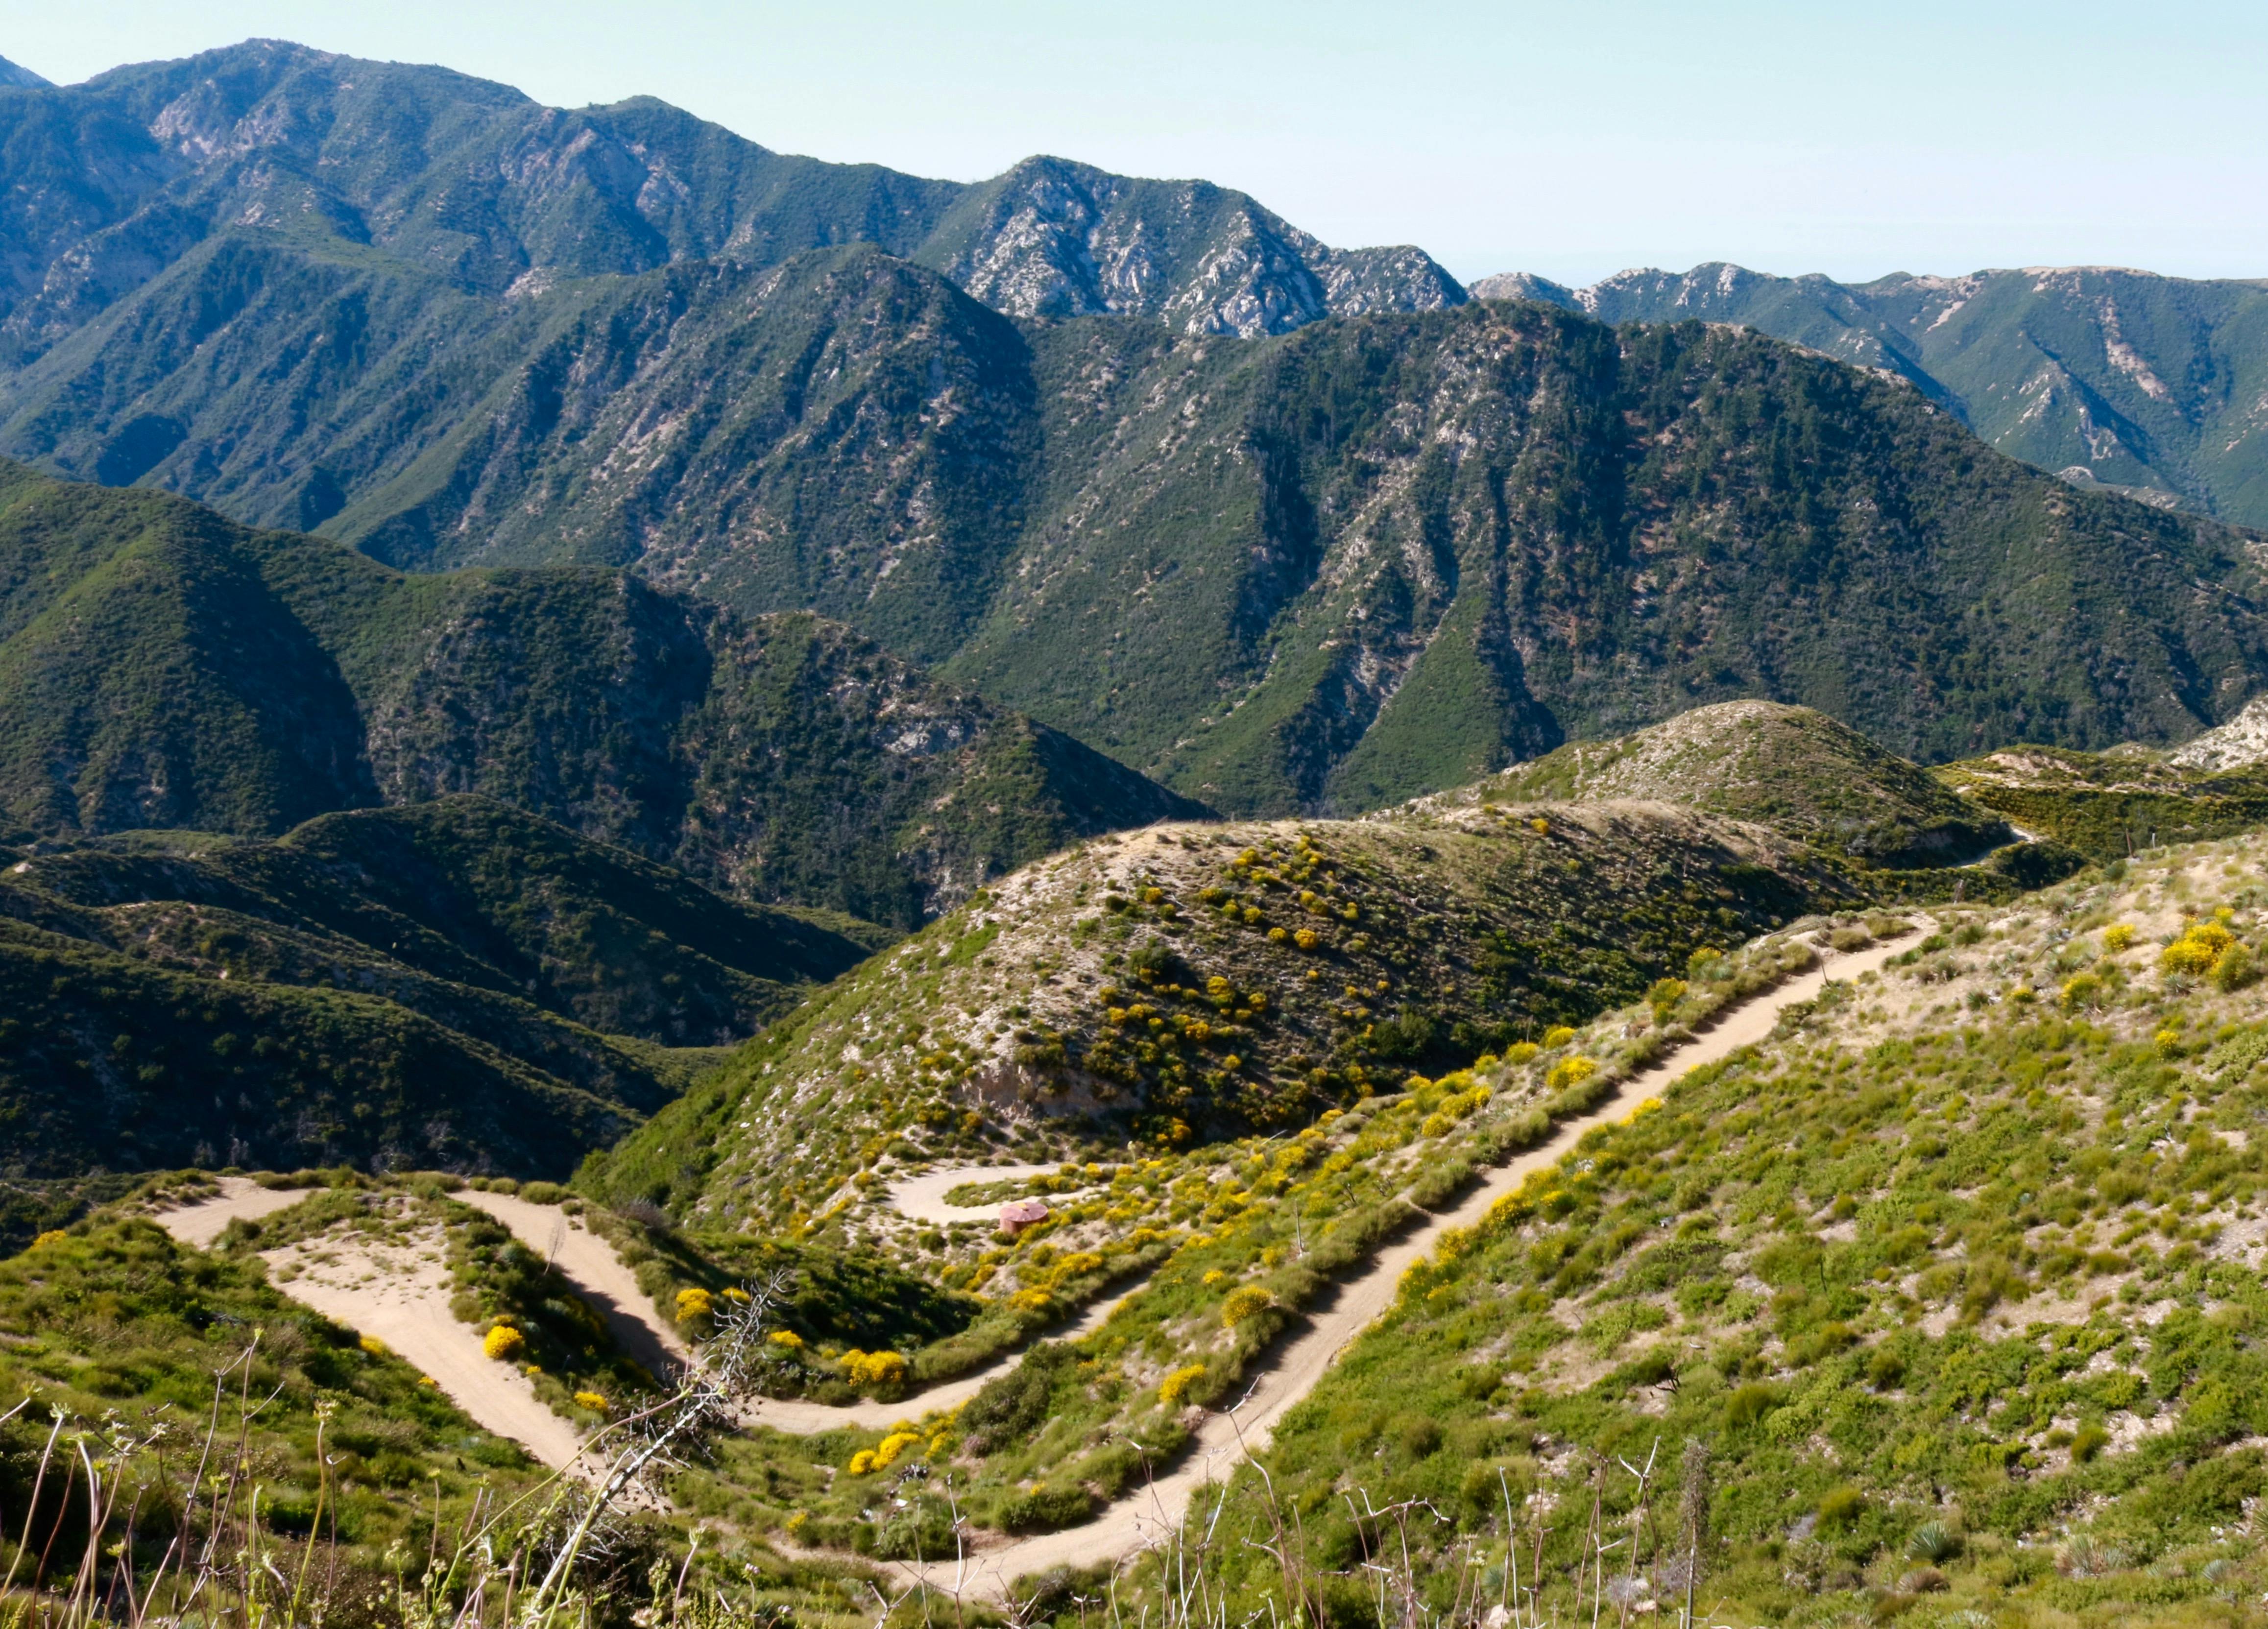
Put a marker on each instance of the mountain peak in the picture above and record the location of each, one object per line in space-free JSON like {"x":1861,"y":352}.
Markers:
{"x":16,"y":76}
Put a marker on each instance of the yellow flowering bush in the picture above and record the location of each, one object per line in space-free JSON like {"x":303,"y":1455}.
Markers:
{"x":591,"y":1400}
{"x":1243,"y":1302}
{"x":1570,"y":1071}
{"x":53,"y":1235}
{"x":503,"y":1343}
{"x":862,"y":1462}
{"x":693,"y":1303}
{"x":786,"y":1340}
{"x":376,"y":1347}
{"x":1307,"y":939}
{"x":1557,"y":1035}
{"x":2117,"y":936}
{"x":896,"y":1443}
{"x":1176,"y":1385}
{"x":874,"y":1368}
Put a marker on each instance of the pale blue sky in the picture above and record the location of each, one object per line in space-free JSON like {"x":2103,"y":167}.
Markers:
{"x":1570,"y":140}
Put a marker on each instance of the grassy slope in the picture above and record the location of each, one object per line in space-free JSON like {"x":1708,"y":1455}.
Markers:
{"x":2109,"y":805}
{"x":1789,"y":768}
{"x":1086,"y":984}
{"x":1941,"y":1255}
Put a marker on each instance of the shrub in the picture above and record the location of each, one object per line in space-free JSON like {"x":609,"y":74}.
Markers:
{"x":542,"y":1193}
{"x":1307,"y":939}
{"x":591,"y":1400}
{"x":1176,"y":1385}
{"x":1748,"y":1404}
{"x":503,"y":1343}
{"x":694,"y":1302}
{"x":1570,"y":1071}
{"x":1841,"y":1507}
{"x":1557,"y":1035}
{"x":874,"y":1368}
{"x":862,"y":1463}
{"x":787,"y":1340}
{"x":1243,"y":1302}
{"x":887,"y":1451}
{"x":2087,"y":1442}
{"x":1521,"y":1052}
{"x":2234,"y":969}
{"x":2083,"y":990}
{"x":2117,"y":936}
{"x":376,"y":1347}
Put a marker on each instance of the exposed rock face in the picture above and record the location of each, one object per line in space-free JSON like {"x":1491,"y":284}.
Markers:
{"x":1056,"y":239}
{"x":2154,"y":387}
{"x":2242,"y":741}
{"x":467,"y":187}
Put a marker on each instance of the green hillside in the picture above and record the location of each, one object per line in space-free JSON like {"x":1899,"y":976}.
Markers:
{"x":1792,"y":769}
{"x":1188,"y":984}
{"x":1951,"y":1279}
{"x":174,"y":669}
{"x":1252,"y":568}
{"x":2112,"y":805}
{"x":452,"y":984}
{"x":2110,"y":376}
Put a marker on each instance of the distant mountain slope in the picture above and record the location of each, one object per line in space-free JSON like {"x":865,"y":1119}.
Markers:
{"x":160,"y":667}
{"x":476,"y":893}
{"x":15,"y":77}
{"x":2125,"y":378}
{"x":456,"y":984}
{"x":1363,"y":561}
{"x":1789,"y":768}
{"x":448,"y":182}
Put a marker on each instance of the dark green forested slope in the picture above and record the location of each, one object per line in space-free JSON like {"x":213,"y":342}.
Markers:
{"x":1367,"y":559}
{"x":246,"y":273}
{"x":455,"y":982}
{"x":160,"y":667}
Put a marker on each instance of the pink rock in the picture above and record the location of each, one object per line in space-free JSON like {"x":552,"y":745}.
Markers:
{"x":1019,"y":1215}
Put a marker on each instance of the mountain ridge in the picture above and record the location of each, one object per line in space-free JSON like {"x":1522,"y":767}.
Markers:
{"x":2151,"y":384}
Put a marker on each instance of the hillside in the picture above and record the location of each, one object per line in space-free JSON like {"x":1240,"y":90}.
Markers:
{"x":1789,"y":768}
{"x":1253,"y":569}
{"x":1196,"y":983}
{"x":2107,"y":376}
{"x":161,"y":666}
{"x":453,"y":984}
{"x":1952,"y":1277}
{"x":2112,"y":805}
{"x":362,"y":211}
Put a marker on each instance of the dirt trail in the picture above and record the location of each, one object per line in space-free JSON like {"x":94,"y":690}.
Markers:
{"x":1144,"y":1519}
{"x":600,"y":1276}
{"x":240,"y":1197}
{"x":400,"y":1295}
{"x":923,"y":1198}
{"x":801,"y":1418}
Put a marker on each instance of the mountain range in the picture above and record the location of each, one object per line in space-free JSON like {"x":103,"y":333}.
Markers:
{"x":163,"y":667}
{"x":2157,"y":386}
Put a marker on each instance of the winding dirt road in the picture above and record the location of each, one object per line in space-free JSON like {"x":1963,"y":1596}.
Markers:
{"x":402,"y":1298}
{"x":1146,"y":1518}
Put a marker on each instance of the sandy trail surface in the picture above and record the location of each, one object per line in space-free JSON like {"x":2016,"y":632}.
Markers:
{"x":923,"y":1198}
{"x":400,"y":1294}
{"x":201,"y":1222}
{"x":600,"y":1277}
{"x":1148,"y":1517}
